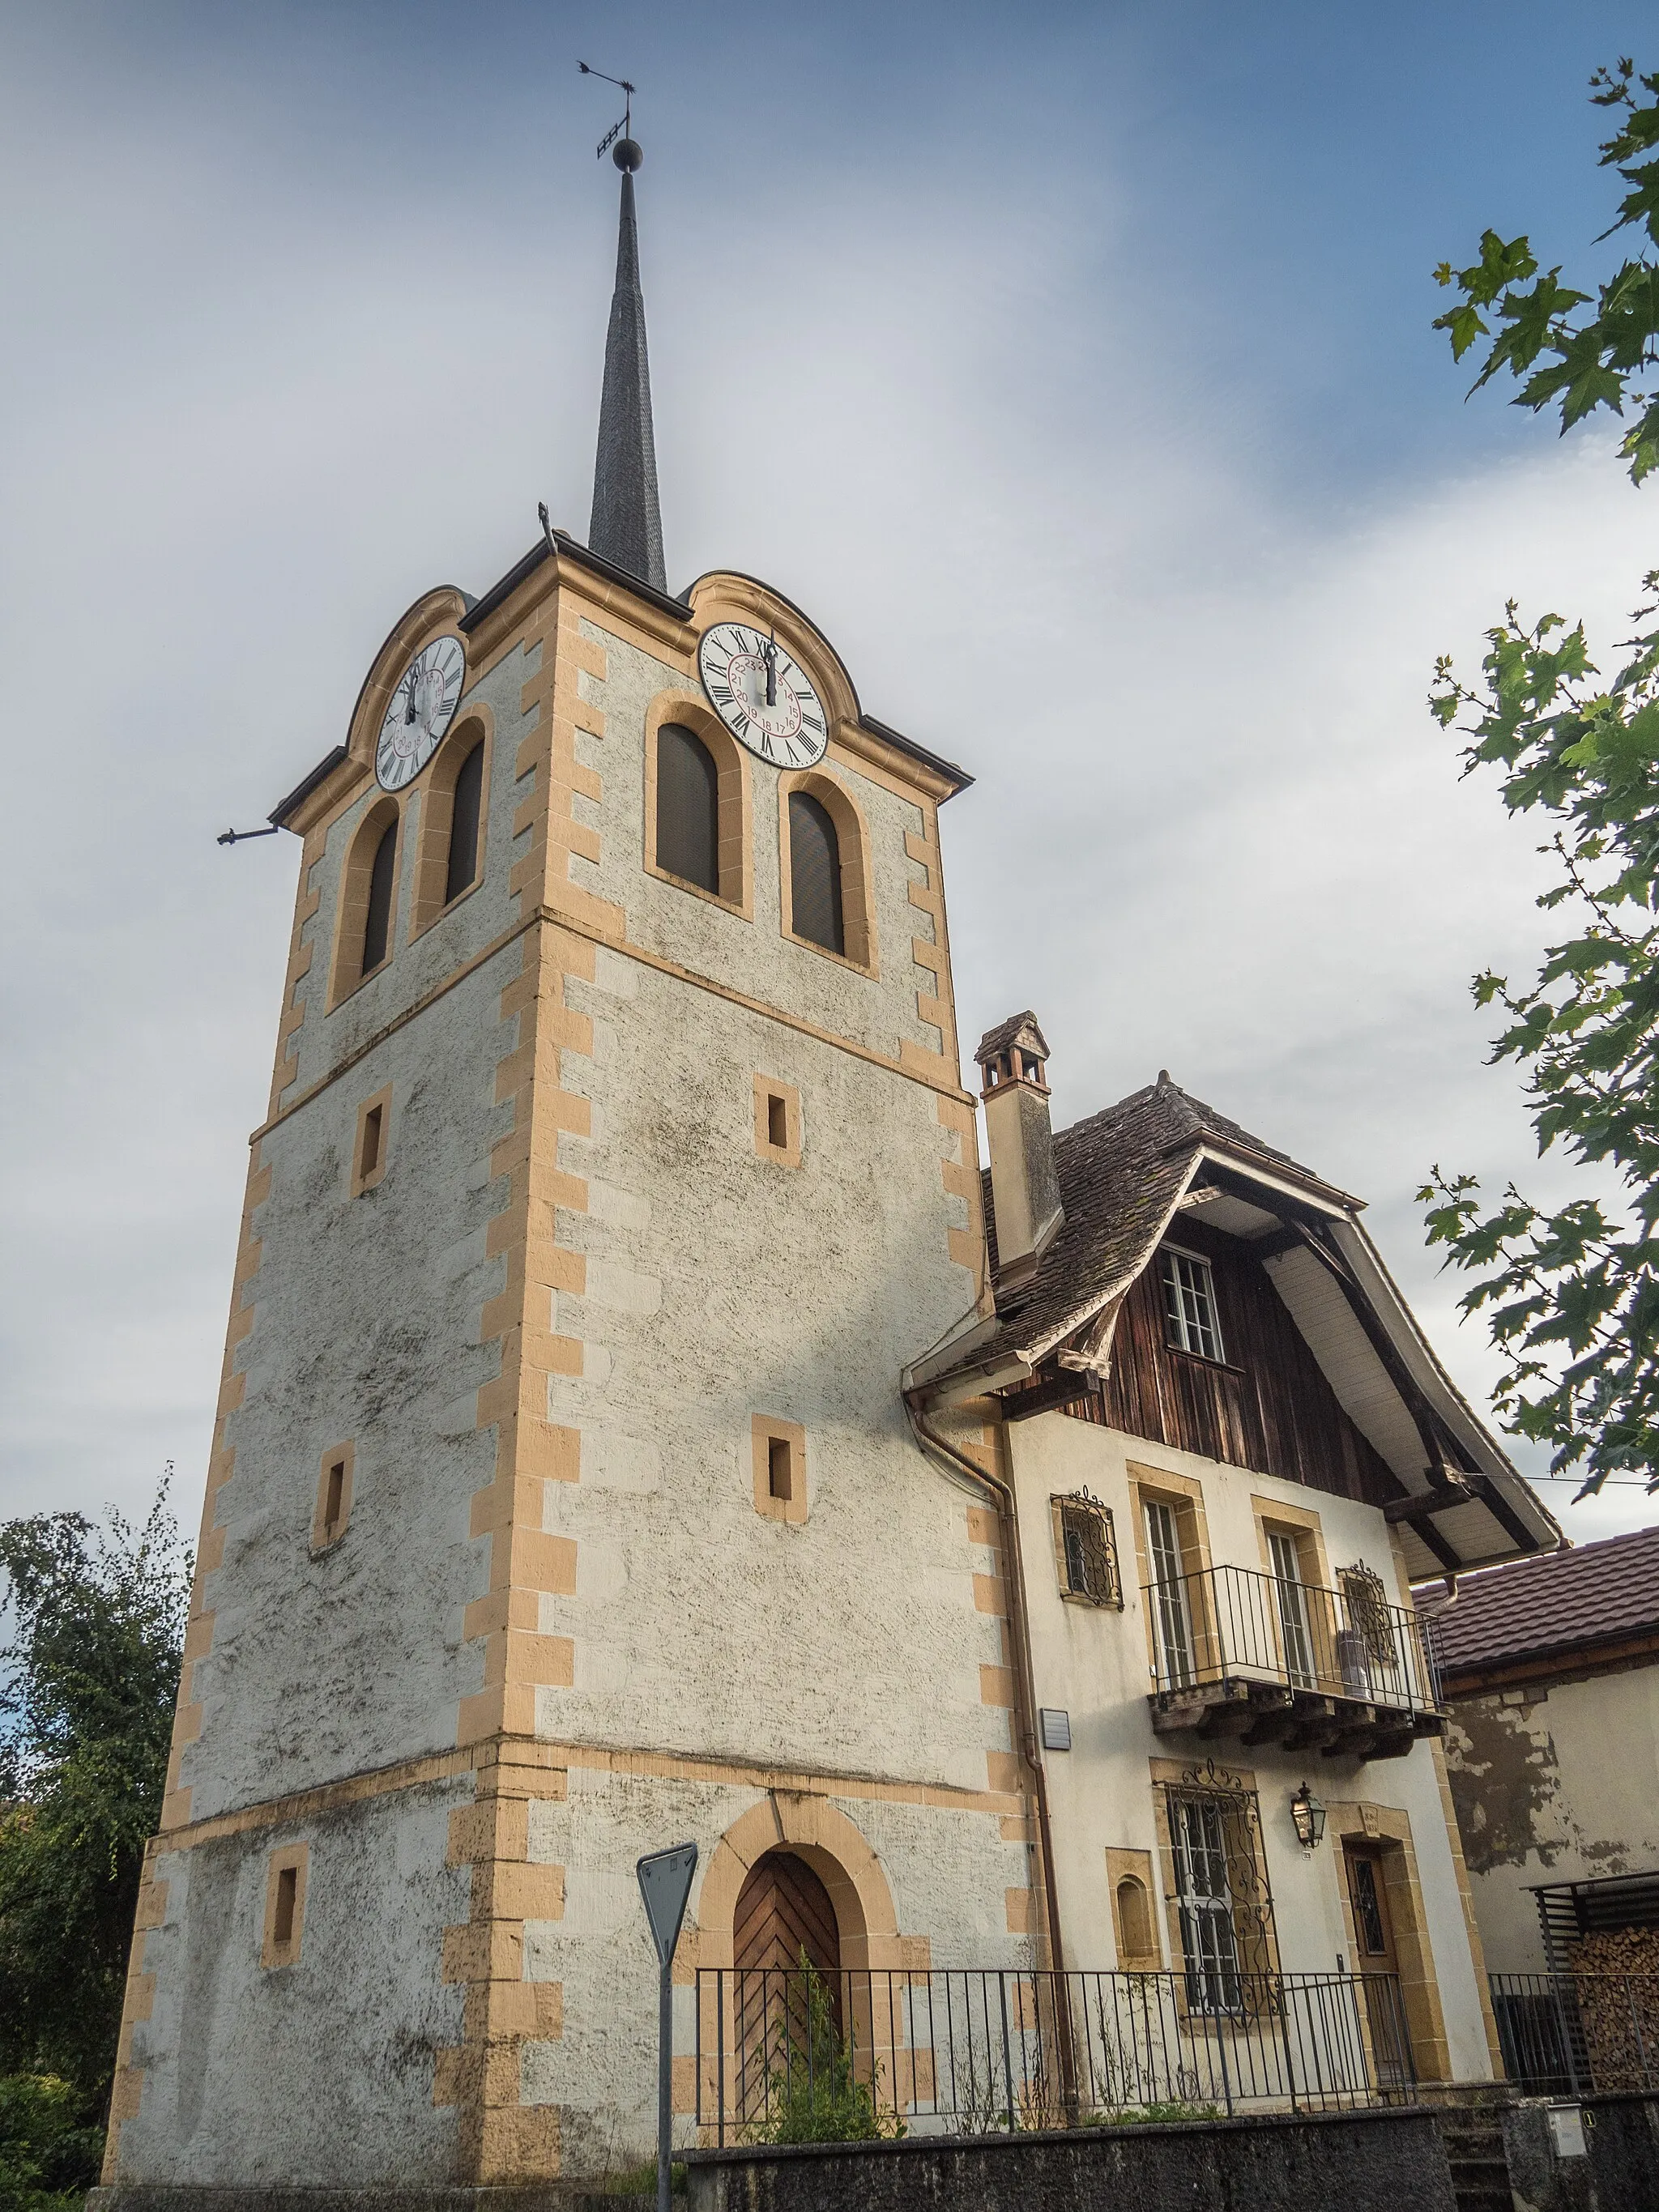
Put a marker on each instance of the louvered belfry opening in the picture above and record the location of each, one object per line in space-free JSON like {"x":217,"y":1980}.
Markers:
{"x":688,"y":808}
{"x":376,"y":925}
{"x":815,"y":873}
{"x":466,"y":807}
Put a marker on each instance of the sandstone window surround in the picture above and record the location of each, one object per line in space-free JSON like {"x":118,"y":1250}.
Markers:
{"x":454,"y":820}
{"x":333,"y":1507}
{"x":365,"y":923}
{"x":777,"y":1121}
{"x":778,"y":1453}
{"x":286,"y":1880}
{"x":726,"y":877}
{"x":832,"y":835}
{"x":372,"y":1145}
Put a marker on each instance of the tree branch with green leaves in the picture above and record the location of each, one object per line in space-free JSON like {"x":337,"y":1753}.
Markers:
{"x":1571,"y":1298}
{"x":1578,"y":363}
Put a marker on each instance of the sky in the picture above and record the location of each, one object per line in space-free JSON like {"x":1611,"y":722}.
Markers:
{"x":1070,"y":366}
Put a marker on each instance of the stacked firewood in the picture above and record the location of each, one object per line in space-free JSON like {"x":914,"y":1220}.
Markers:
{"x":1616,"y":1973}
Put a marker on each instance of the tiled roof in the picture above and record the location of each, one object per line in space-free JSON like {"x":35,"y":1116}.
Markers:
{"x":1119,"y":1172}
{"x":1593,"y":1594}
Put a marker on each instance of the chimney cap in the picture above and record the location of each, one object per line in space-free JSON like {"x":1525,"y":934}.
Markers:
{"x":1019,"y":1030}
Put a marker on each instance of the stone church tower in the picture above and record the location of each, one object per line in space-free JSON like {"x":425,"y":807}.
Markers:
{"x":563,"y":1503}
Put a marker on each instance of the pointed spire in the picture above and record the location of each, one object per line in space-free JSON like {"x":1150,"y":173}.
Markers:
{"x":627,"y":523}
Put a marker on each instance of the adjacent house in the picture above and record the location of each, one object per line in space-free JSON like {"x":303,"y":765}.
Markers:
{"x":1549,"y":1673}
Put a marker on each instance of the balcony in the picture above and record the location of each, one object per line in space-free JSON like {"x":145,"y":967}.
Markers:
{"x":1261,"y":1659}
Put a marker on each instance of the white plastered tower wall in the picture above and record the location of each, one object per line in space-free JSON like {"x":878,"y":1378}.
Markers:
{"x":556,"y":1632}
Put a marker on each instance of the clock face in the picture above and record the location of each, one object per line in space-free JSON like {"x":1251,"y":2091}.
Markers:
{"x":428,"y":694}
{"x":762,"y":696}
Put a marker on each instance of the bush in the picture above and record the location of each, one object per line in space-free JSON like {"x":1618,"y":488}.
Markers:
{"x":51,"y":2147}
{"x":815,"y":2097}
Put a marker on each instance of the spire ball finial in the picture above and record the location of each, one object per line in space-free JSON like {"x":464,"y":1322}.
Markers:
{"x":627,"y":154}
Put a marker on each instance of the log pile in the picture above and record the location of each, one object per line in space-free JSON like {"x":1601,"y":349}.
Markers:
{"x":1616,"y":1974}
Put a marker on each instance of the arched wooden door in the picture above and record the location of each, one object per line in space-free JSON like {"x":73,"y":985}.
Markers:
{"x":783,"y":1915}
{"x":784,"y":1910}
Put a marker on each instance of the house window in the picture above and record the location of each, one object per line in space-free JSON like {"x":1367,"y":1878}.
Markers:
{"x":1189,"y":1309}
{"x":1085,"y":1550}
{"x":688,"y":808}
{"x":1168,"y":1596}
{"x":1224,"y":1909}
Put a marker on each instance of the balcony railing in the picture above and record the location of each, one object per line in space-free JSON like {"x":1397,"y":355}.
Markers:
{"x":1234,"y":1626}
{"x":1577,"y":2035}
{"x":799,"y":2055}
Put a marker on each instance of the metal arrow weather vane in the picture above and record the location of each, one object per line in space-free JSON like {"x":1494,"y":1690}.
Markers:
{"x":625,"y":128}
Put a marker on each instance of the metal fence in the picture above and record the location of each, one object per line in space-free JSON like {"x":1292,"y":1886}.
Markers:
{"x":798,"y":2056}
{"x":1237,"y":1623}
{"x":1574,"y":2035}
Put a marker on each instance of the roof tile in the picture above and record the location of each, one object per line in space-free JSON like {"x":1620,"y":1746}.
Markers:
{"x":1559,"y":1603}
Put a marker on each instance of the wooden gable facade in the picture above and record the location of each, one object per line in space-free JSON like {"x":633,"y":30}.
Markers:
{"x":1267,"y":1406}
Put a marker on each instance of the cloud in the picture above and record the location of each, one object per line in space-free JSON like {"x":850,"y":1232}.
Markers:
{"x":1213,"y":827}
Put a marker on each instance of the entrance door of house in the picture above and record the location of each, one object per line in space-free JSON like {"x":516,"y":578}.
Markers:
{"x":1377,"y":1958}
{"x":786,"y":1987}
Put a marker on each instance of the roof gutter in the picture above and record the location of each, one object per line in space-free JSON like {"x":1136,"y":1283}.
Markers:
{"x":1025,"y":1710}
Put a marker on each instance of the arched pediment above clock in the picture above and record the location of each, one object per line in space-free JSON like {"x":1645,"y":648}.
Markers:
{"x":725,"y":595}
{"x":432,"y":615}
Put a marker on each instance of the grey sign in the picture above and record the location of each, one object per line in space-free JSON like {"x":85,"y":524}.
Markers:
{"x":666,"y":1884}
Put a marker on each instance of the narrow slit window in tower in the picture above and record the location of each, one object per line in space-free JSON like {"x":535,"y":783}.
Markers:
{"x":288,"y":1892}
{"x":370,"y":1159}
{"x":780,"y":1475}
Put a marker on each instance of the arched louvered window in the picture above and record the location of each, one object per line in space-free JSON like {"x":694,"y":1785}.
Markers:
{"x":688,"y":808}
{"x":815,"y":873}
{"x":377,"y":923}
{"x":463,"y":824}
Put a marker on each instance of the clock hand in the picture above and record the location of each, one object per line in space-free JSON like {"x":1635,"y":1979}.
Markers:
{"x":771,"y":672}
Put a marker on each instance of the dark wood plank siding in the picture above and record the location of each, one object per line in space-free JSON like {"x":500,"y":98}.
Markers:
{"x":1269,"y":1408}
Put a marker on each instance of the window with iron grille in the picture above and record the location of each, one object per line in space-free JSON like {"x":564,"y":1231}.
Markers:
{"x":1085,"y":1550}
{"x":1219,"y":1883}
{"x":1189,"y":1308}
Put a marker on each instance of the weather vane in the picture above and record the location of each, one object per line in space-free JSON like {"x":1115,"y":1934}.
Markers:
{"x":625,"y":128}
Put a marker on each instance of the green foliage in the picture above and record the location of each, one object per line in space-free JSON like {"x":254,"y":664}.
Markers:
{"x":815,"y":2096}
{"x":1151,"y":2116}
{"x":1570,"y":1298}
{"x":49,"y":2144}
{"x":87,"y":1690}
{"x":640,"y":2180}
{"x":1561,"y":358}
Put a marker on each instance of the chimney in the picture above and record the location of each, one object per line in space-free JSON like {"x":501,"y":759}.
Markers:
{"x":1024,"y":1188}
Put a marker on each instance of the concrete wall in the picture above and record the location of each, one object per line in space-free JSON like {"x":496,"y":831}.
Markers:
{"x":1095,"y":1662}
{"x":1552,"y":1783}
{"x":1618,"y":2170}
{"x":1364,"y":2161}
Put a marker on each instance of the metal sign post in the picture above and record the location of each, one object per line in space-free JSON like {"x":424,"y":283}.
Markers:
{"x":666,"y":1884}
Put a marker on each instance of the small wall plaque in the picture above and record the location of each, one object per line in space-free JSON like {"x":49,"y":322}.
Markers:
{"x":1056,"y":1728}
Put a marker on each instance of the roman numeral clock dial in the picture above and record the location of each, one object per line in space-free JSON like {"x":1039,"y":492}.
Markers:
{"x":762,"y":696}
{"x":428,"y":692}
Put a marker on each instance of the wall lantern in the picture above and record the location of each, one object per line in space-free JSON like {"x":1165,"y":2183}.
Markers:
{"x":1308,"y":1816}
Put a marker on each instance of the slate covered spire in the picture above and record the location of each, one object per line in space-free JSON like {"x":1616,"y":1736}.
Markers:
{"x":627,"y":523}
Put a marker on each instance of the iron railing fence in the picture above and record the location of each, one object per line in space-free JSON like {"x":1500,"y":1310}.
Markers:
{"x":797,"y":2055}
{"x":1575,"y":2035}
{"x":1239,"y":1624}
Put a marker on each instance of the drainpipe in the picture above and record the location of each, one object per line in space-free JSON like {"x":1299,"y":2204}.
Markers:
{"x":1025,"y":1714}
